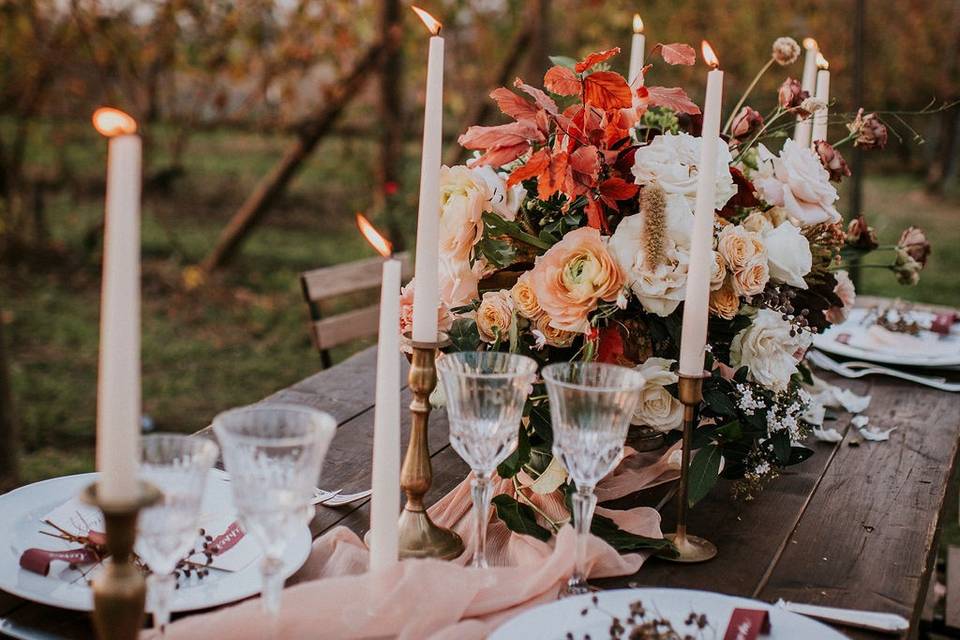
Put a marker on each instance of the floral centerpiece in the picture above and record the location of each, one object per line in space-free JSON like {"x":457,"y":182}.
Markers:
{"x":567,"y":237}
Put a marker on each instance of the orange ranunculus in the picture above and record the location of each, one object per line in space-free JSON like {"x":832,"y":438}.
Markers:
{"x":573,"y":276}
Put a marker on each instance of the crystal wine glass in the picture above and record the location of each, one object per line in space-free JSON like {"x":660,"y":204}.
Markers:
{"x":590,"y":408}
{"x":178,"y":466}
{"x":485,"y":391}
{"x":273,"y":453}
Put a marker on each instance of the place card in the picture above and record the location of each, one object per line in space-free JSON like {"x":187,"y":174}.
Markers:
{"x":747,"y":624}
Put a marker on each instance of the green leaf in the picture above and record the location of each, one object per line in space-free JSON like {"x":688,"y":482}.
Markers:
{"x":464,"y":335}
{"x":805,"y":373}
{"x":781,"y":446}
{"x":519,"y":518}
{"x":496,"y":225}
{"x":540,"y":422}
{"x":520,"y":456}
{"x":703,"y":473}
{"x":621,"y":540}
{"x":798,"y":455}
{"x":716,"y":395}
{"x":563,"y":61}
{"x":499,"y":253}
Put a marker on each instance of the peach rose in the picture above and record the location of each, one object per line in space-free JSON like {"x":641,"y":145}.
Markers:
{"x":459,"y":281}
{"x":573,"y":276}
{"x":551,"y":335}
{"x":847,"y":294}
{"x":739,"y":246}
{"x":494,"y":315}
{"x":718,"y":272}
{"x":524,"y":298}
{"x":724,"y":302}
{"x":464,"y":195}
{"x":444,"y":317}
{"x":752,"y":278}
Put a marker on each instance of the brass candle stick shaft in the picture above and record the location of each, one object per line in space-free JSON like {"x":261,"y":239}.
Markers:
{"x":119,"y":592}
{"x":689,"y":548}
{"x":420,"y":537}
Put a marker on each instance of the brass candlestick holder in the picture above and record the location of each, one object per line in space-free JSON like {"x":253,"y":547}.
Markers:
{"x":689,"y":548}
{"x":119,"y":592}
{"x":419,"y":536}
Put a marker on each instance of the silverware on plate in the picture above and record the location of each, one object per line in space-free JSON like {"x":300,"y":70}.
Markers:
{"x":861,"y":369}
{"x":872,"y":620}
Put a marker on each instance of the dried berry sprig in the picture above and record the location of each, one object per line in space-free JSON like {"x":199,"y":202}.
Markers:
{"x":642,"y":624}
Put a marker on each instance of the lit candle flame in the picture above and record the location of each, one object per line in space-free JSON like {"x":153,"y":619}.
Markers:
{"x":708,"y":55}
{"x":432,"y":24}
{"x":113,"y":122}
{"x":822,"y":62}
{"x":637,"y":23}
{"x":376,"y":240}
{"x":810,"y":43}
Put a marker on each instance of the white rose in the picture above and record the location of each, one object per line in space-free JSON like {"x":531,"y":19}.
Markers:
{"x":661,"y":289}
{"x":504,"y":201}
{"x":671,"y":161}
{"x":797,"y":181}
{"x":757,"y":222}
{"x":464,"y":195}
{"x":788,"y":255}
{"x":459,"y":281}
{"x":657,"y":407}
{"x":768,"y":350}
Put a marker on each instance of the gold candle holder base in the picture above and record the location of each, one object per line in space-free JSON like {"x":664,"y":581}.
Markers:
{"x":420,"y":537}
{"x":689,"y":548}
{"x":119,"y":592}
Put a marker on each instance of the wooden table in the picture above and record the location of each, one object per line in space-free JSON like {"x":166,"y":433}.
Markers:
{"x":853,"y":526}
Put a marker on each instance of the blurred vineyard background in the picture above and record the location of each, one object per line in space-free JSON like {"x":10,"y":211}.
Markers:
{"x":316,"y":106}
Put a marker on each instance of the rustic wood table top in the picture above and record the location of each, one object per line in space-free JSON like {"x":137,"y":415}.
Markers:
{"x":853,"y":526}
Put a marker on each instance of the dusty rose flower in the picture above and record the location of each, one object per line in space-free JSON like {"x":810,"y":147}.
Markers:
{"x":791,"y":94}
{"x":831,"y":160}
{"x":551,"y":335}
{"x":796,"y":181}
{"x":914,"y":241}
{"x":847,"y":294}
{"x":444,"y":317}
{"x":573,"y":276}
{"x":524,"y":298}
{"x":870,"y":132}
{"x":810,"y":106}
{"x":739,"y":246}
{"x":724,"y":302}
{"x":861,"y":235}
{"x":752,"y":278}
{"x":494,"y":315}
{"x":785,"y":51}
{"x":746,"y":123}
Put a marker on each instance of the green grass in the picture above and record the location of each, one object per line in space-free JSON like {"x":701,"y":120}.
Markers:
{"x":244,"y":335}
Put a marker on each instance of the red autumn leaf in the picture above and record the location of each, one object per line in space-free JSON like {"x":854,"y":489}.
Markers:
{"x":745,"y":197}
{"x":553,"y":178}
{"x":499,"y":156}
{"x":532,"y":168}
{"x":503,"y":135}
{"x":562,"y":81}
{"x":543,"y":101}
{"x":596,"y":58}
{"x":610,"y":350}
{"x":606,"y":90}
{"x":513,"y":105}
{"x":677,"y":53}
{"x":618,"y":189}
{"x":672,"y":98}
{"x":595,"y":217}
{"x":586,"y":161}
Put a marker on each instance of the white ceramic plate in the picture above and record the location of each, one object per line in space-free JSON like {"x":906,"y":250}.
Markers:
{"x":24,"y":508}
{"x":555,"y":620}
{"x":946,"y":357}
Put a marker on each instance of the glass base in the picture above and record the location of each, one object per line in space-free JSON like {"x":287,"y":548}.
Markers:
{"x":576,"y":586}
{"x":690,"y":548}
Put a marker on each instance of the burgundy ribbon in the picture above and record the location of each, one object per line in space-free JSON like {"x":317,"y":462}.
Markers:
{"x":38,"y":560}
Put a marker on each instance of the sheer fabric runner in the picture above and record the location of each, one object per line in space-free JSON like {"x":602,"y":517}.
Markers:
{"x":334,"y":597}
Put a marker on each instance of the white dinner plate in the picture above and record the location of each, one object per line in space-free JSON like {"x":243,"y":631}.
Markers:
{"x":555,"y":620}
{"x":941,"y":352}
{"x":24,"y":508}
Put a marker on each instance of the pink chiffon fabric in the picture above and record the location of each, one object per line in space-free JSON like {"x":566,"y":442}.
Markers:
{"x":333,"y":595}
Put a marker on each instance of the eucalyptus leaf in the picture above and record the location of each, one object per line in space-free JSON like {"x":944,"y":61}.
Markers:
{"x":519,"y":518}
{"x":624,"y":541}
{"x":703,"y":473}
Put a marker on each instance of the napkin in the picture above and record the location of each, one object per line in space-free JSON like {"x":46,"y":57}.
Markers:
{"x":880,"y":339}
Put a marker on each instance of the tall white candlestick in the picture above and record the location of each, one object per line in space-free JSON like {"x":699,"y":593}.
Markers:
{"x":696,"y":302}
{"x":118,"y":388}
{"x":801,"y":133}
{"x":426,"y":298}
{"x":385,"y":500}
{"x":637,"y":44}
{"x":820,"y":118}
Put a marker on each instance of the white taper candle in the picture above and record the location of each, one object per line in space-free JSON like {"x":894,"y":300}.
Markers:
{"x":821,"y":117}
{"x":637,"y":44}
{"x":801,"y":133}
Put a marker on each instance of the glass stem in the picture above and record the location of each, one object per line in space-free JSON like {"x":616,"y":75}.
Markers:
{"x":270,"y":569}
{"x":160,"y":588}
{"x":584,"y":502}
{"x":482,"y":490}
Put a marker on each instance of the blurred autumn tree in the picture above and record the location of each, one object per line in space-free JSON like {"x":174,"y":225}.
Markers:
{"x":268,"y":66}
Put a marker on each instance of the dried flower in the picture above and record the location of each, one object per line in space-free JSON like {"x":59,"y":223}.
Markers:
{"x":785,"y":51}
{"x":746,"y":123}
{"x":870,"y":132}
{"x":832,"y":161}
{"x":810,"y":105}
{"x":861,"y":235}
{"x":914,"y":242}
{"x":907,"y":269}
{"x":791,"y":94}
{"x":653,"y":203}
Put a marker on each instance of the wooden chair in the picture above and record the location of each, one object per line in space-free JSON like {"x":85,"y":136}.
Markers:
{"x":323,"y":286}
